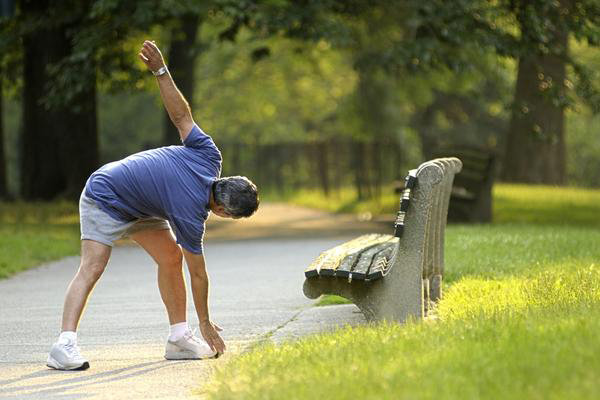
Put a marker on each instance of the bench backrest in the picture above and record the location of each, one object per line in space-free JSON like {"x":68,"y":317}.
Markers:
{"x":423,"y":212}
{"x":472,"y":192}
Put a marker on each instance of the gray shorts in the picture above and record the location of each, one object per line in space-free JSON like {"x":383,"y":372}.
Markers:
{"x":99,"y":226}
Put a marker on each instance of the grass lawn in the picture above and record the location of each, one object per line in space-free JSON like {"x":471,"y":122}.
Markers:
{"x":519,"y":319}
{"x":32,"y":233}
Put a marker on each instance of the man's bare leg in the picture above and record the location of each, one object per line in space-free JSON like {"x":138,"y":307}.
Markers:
{"x":64,"y":354}
{"x":94,"y":257}
{"x":161,"y":246}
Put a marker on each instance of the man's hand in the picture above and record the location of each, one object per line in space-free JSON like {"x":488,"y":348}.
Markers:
{"x":210,"y":332}
{"x":151,"y":56}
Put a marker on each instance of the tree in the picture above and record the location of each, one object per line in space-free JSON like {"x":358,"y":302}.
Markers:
{"x":535,"y":151}
{"x":3,"y":188}
{"x":66,"y":47}
{"x":6,"y":11}
{"x":60,"y":146}
{"x":455,"y":35}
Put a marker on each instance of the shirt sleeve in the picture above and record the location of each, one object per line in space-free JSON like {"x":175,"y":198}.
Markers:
{"x":203,"y":145}
{"x":188,"y":234}
{"x":197,"y":139}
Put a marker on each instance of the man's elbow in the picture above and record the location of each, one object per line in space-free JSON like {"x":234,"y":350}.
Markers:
{"x":184,"y":124}
{"x":182,"y":118}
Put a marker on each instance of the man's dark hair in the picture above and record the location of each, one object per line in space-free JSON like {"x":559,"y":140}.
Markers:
{"x":237,"y":194}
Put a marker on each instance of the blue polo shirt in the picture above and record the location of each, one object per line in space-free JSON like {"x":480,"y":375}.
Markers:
{"x":172,"y":183}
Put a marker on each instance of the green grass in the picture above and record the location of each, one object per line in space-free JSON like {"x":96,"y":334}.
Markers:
{"x":547,"y":205}
{"x":519,"y":320}
{"x":32,"y":233}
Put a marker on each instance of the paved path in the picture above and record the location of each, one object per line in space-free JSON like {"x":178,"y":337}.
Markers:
{"x":256,"y":295}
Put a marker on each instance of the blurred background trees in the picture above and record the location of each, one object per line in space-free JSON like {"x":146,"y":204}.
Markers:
{"x":318,"y":94}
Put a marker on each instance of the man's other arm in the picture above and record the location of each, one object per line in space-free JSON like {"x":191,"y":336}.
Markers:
{"x":200,"y":284}
{"x":176,"y":105}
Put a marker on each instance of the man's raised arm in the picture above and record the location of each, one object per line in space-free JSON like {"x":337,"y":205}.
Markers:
{"x":176,"y":105}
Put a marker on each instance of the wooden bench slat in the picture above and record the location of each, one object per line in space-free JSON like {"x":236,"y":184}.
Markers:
{"x":382,"y":261}
{"x":367,"y":257}
{"x":344,"y":255}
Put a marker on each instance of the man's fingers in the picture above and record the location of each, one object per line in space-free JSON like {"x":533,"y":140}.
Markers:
{"x":217,"y":327}
{"x":146,"y":53}
{"x":219,"y":343}
{"x":152,"y":49}
{"x":143,"y":58}
{"x":152,"y":45}
{"x":221,"y":346}
{"x":148,"y":48}
{"x":211,"y":344}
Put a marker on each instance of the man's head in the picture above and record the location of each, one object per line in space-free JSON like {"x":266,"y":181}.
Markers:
{"x":234,"y":197}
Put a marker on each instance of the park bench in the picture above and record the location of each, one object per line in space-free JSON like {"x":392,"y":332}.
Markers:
{"x":471,"y":198}
{"x":396,"y":276}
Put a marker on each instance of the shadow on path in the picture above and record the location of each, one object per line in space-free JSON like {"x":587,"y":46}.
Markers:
{"x":57,"y":389}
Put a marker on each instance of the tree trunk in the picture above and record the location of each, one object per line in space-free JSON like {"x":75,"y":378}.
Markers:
{"x":258,"y":165}
{"x":376,"y":156}
{"x":3,"y":188}
{"x":535,"y":150}
{"x":41,"y":176}
{"x":182,"y":54}
{"x":359,"y":168}
{"x":322,"y":165}
{"x":79,"y":147}
{"x":60,"y":145}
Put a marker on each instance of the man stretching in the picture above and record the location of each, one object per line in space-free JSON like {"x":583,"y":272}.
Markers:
{"x":136,"y":197}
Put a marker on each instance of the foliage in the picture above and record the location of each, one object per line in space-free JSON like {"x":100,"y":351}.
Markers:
{"x":287,"y":97}
{"x":414,"y":74}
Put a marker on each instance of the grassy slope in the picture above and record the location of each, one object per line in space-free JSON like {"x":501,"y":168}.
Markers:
{"x":508,"y":338}
{"x":32,"y":233}
{"x":518,"y":320}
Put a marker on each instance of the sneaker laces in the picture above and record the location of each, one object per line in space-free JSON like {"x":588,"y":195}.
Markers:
{"x":191,"y":336}
{"x":71,"y":348}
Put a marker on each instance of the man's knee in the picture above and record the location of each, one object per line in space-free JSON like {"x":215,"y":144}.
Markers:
{"x":171,"y":258}
{"x":91,"y":270}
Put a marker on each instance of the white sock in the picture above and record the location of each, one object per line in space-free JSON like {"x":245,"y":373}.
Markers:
{"x":177,"y":331}
{"x":67,"y":336}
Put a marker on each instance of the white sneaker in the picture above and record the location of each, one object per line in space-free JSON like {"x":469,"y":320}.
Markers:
{"x":189,"y":347}
{"x":65,"y":355}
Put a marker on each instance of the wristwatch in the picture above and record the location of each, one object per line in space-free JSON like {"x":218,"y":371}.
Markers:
{"x":161,"y":71}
